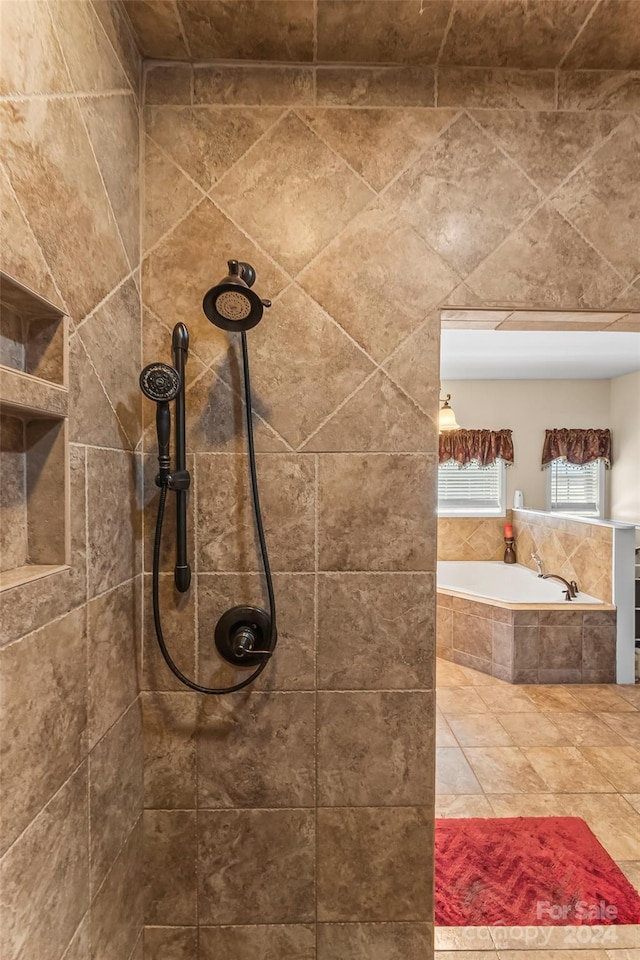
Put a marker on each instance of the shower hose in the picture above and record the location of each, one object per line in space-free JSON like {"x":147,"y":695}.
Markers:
{"x":263,"y":550}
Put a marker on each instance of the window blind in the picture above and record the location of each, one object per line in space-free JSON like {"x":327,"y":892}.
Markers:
{"x":471,"y":490}
{"x":575,"y":488}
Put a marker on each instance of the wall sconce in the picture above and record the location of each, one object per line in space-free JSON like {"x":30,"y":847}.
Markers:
{"x":447,"y":418}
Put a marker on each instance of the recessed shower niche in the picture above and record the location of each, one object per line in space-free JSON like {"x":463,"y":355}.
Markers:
{"x":33,"y":436}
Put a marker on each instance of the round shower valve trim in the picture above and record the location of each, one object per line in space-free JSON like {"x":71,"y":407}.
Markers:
{"x":243,"y":636}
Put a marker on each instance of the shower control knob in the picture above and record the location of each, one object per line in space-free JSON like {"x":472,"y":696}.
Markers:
{"x":243,"y":636}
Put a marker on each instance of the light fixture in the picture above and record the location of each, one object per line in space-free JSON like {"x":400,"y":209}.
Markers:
{"x":447,"y":418}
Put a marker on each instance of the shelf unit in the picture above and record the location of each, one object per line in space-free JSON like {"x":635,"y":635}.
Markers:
{"x":34,"y":401}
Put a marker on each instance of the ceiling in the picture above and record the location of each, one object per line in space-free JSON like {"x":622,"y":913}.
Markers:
{"x":532,"y":355}
{"x":528,"y":34}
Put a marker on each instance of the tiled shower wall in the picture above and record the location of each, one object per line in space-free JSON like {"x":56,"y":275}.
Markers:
{"x":295,"y":819}
{"x":71,"y":759}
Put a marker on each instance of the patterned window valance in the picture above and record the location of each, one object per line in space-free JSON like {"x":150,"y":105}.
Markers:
{"x":485,"y":446}
{"x":577,"y":446}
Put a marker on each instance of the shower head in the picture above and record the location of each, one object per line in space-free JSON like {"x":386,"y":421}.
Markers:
{"x":232,"y":304}
{"x":160,"y":382}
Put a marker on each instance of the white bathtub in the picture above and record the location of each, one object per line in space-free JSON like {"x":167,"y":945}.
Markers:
{"x":510,"y":583}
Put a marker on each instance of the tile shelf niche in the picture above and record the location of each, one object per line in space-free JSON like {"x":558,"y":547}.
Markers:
{"x":34,"y":502}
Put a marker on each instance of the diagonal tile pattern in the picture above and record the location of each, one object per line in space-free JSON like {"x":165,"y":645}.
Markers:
{"x":175,"y":275}
{"x":303,"y":366}
{"x":378,"y":307}
{"x":567,"y":137}
{"x":292,"y":194}
{"x":602,"y":199}
{"x":463,"y":196}
{"x":398,"y":424}
{"x":378,"y":143}
{"x":206,"y":141}
{"x":164,"y":207}
{"x":545,"y":261}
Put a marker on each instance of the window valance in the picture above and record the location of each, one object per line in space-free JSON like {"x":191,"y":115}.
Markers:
{"x":484,"y":446}
{"x":577,"y":446}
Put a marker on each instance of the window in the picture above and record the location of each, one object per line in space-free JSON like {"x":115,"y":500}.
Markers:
{"x":576,"y":488}
{"x":471,"y":491}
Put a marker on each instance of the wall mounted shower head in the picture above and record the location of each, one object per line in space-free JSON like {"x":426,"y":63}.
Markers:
{"x":232,"y":304}
{"x":160,"y":382}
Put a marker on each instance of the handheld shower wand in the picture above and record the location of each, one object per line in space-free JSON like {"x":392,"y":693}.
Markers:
{"x":245,"y":636}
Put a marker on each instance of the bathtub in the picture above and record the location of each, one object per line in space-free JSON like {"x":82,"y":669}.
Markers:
{"x":504,"y":620}
{"x":510,"y":583}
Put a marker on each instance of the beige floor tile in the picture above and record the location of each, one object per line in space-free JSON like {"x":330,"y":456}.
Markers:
{"x":552,"y":955}
{"x":630,"y":692}
{"x":444,"y":734}
{"x":634,"y":800}
{"x":481,"y":730}
{"x":511,"y":700}
{"x":551,"y":698}
{"x":572,"y":943}
{"x":531,"y":731}
{"x":620,"y":765}
{"x":452,"y":806}
{"x":526,"y":804}
{"x":602,"y":699}
{"x":631,"y":870}
{"x":476,"y":678}
{"x":460,"y":702}
{"x":584,"y":728}
{"x":504,"y":770}
{"x":453,"y":773}
{"x":463,"y":938}
{"x":466,"y":955}
{"x":450,"y":674}
{"x":626,"y":724}
{"x":625,"y":938}
{"x":614,"y":822}
{"x":563,"y":768}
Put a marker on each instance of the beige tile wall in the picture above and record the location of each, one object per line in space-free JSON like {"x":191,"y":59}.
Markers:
{"x":362,"y":223}
{"x":472,"y":538}
{"x":71,"y":759}
{"x":578,"y":551}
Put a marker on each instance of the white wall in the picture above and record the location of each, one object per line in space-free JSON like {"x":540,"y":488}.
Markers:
{"x":529,"y":407}
{"x":625,"y":427}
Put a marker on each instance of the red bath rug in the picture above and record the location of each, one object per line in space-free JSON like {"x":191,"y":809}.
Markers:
{"x":527,"y":871}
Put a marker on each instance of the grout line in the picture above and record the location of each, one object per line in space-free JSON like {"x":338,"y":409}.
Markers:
{"x":36,"y":242}
{"x":174,"y":163}
{"x":71,"y":95}
{"x":115,"y":52}
{"x":333,"y":413}
{"x":445,"y":36}
{"x":130,"y":276}
{"x":90,"y":141}
{"x":578,"y":33}
{"x":316,"y":621}
{"x":183,"y":33}
{"x":335,"y":153}
{"x":131,"y":447}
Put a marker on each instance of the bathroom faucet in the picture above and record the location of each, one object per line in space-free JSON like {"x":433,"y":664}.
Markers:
{"x":572,"y":587}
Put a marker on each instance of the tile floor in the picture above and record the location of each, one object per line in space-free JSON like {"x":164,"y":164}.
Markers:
{"x":508,"y":751}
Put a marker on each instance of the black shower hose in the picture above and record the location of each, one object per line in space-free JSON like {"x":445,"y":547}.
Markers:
{"x":263,"y":550}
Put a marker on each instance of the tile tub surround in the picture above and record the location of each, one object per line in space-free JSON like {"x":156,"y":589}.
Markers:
{"x":524,"y":644}
{"x":71,"y":764}
{"x":345,"y":370}
{"x":575,"y":549}
{"x":472,"y":538}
